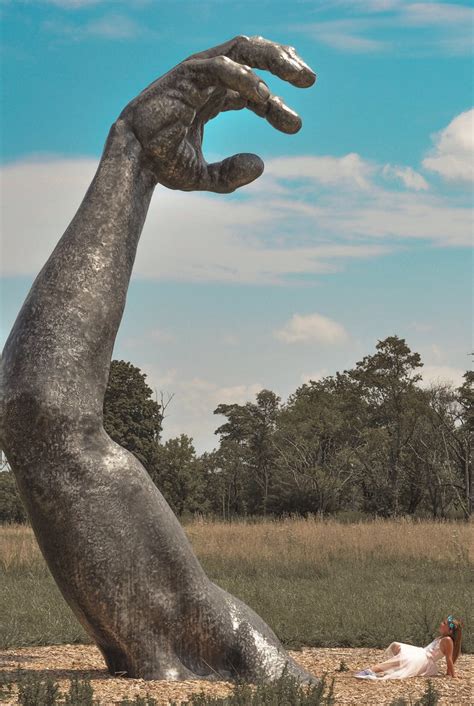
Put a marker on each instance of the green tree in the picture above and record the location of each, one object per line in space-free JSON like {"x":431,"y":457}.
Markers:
{"x":252,"y":427}
{"x":450,"y":438}
{"x":387,"y":383}
{"x":225,"y":478}
{"x":131,"y":416}
{"x":319,"y":434}
{"x":176,"y":471}
{"x":465,"y":433}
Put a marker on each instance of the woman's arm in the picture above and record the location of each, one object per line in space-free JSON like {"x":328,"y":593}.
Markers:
{"x":446,"y":645}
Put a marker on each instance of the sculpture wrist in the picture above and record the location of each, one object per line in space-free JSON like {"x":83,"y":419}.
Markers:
{"x":124,"y":147}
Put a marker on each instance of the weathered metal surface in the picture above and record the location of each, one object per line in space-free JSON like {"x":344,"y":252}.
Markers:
{"x":115,"y":548}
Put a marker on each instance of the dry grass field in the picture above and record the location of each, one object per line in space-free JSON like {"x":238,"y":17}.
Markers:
{"x":314,"y":540}
{"x":297,"y":541}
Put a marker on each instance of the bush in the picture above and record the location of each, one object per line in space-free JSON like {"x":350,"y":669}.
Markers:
{"x":37,"y":690}
{"x":33,"y":691}
{"x":429,"y":698}
{"x":287,"y":690}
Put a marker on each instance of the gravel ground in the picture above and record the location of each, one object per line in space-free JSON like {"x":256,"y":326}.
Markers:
{"x":64,"y":661}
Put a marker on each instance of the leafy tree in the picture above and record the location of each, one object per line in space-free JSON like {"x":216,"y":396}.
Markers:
{"x":465,"y":433}
{"x":131,"y":416}
{"x":176,"y":471}
{"x":225,"y":477}
{"x":251,"y":427}
{"x":449,"y":437}
{"x":387,"y":383}
{"x":319,"y":433}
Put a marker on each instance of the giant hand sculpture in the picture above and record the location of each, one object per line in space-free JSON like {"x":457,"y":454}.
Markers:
{"x":112,"y":543}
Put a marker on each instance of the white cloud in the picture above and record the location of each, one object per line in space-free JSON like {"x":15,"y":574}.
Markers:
{"x":229,"y":240}
{"x":318,"y":375}
{"x":315,"y":328}
{"x":453,"y":153}
{"x":407,"y":175}
{"x":367,"y":25}
{"x":113,"y":26}
{"x":436,"y":352}
{"x":236,"y":394}
{"x":421,"y":326}
{"x":433,"y":374}
{"x":347,"y":35}
{"x":230,"y":339}
{"x":80,"y":4}
{"x":350,"y":170}
{"x":348,"y":42}
{"x":320,"y":212}
{"x":424,"y":14}
{"x":74,"y":4}
{"x":149,"y":338}
{"x":195,"y":399}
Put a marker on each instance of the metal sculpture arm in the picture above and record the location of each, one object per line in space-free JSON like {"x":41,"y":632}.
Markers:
{"x":113,"y":545}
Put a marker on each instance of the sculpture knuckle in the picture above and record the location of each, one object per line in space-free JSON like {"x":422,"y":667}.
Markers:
{"x":223,"y":62}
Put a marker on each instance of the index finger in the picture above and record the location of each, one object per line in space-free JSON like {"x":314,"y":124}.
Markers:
{"x":260,"y":53}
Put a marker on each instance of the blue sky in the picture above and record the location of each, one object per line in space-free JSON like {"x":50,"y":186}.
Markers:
{"x":359,"y":228}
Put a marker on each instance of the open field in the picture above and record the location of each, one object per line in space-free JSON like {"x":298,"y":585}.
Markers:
{"x":319,"y":584}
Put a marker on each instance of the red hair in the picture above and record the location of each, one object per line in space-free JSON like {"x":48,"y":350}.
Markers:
{"x":456,"y":636}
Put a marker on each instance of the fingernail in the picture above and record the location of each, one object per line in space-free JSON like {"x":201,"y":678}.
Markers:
{"x":262,"y":90}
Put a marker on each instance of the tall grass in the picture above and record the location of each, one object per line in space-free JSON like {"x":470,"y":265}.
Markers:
{"x":319,"y":583}
{"x":312,"y":539}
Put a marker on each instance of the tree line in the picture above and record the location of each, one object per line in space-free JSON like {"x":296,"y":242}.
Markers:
{"x":368,"y":440}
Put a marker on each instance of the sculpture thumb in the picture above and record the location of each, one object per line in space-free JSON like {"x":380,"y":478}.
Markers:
{"x":233,"y":172}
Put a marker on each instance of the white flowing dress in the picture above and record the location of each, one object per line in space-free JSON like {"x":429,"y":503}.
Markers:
{"x":411,"y":661}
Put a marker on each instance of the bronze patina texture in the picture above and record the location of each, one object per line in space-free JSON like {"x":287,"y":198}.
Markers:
{"x":112,"y":543}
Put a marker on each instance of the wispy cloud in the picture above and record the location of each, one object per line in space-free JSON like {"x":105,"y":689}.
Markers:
{"x":453,"y":153}
{"x":349,"y":170}
{"x":230,"y":240}
{"x":408,"y":176}
{"x":81,"y":4}
{"x":73,"y":4}
{"x":433,"y":374}
{"x":155,"y":336}
{"x":321,"y":212}
{"x":347,"y":35}
{"x":311,"y":328}
{"x":113,"y":26}
{"x":423,"y":14}
{"x":391,"y":25}
{"x":318,"y":375}
{"x":193,"y":403}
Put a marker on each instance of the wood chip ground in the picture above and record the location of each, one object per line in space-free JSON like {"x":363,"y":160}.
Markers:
{"x":65,"y":661}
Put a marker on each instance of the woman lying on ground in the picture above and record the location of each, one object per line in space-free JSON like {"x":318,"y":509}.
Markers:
{"x":402,"y":661}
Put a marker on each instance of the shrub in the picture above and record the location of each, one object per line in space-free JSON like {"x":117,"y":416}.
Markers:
{"x":429,"y":698}
{"x":286,"y":690}
{"x":38,"y":690}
